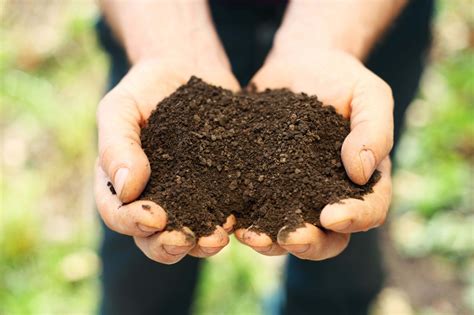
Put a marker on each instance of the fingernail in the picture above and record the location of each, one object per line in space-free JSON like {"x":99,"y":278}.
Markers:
{"x":284,"y":234}
{"x":176,"y":250}
{"x":211,"y":250}
{"x":119,"y":180}
{"x":367,"y":159}
{"x":190,"y":239}
{"x":146,"y":229}
{"x":297,"y":248}
{"x":340,"y":225}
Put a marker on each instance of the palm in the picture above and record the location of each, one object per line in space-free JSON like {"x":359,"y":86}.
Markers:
{"x":120,"y":116}
{"x":340,"y":80}
{"x":147,"y":84}
{"x":333,"y":76}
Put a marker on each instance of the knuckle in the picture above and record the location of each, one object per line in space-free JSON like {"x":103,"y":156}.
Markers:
{"x":105,"y":214}
{"x":385,"y":88}
{"x":376,"y":218}
{"x":109,"y":221}
{"x":103,"y":107}
{"x":365,"y":218}
{"x":105,"y":154}
{"x":158,"y":254}
{"x":373,"y":217}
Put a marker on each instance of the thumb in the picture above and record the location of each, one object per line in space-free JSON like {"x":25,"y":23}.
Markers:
{"x":371,"y":136}
{"x":120,"y":153}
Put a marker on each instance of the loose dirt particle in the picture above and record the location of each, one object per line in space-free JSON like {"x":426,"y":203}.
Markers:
{"x":111,"y":188}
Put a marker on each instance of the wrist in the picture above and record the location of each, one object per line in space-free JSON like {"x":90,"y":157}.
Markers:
{"x":166,"y":30}
{"x":350,"y":26}
{"x":310,"y":41}
{"x":193,"y":47}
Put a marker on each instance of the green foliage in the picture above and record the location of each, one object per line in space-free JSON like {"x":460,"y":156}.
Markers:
{"x":438,"y":148}
{"x":236,"y":282}
{"x":48,"y":233}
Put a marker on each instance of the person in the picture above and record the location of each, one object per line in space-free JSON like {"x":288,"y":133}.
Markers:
{"x":352,"y":54}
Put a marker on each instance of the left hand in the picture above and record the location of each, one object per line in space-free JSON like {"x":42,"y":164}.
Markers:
{"x":120,"y":115}
{"x":340,"y":80}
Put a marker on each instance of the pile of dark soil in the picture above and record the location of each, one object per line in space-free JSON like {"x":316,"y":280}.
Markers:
{"x":270,"y":158}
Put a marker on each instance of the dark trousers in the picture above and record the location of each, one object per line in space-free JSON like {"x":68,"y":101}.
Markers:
{"x":133,"y":284}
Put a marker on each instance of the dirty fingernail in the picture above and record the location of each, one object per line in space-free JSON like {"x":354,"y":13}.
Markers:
{"x":119,"y":180}
{"x":297,"y":248}
{"x":189,"y":237}
{"x":247,"y":236}
{"x":146,"y":229}
{"x":176,"y":250}
{"x":228,"y":225}
{"x":367,"y":160}
{"x":284,"y":234}
{"x":340,"y":225}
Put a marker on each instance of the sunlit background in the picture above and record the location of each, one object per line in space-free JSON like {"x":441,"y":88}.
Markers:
{"x":52,"y":74}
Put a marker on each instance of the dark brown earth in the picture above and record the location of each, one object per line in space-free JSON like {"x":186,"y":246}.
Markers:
{"x":111,"y":188}
{"x":270,"y":158}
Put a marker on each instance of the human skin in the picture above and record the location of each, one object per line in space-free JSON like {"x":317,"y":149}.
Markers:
{"x":328,"y":66}
{"x":186,"y":44}
{"x":318,"y":50}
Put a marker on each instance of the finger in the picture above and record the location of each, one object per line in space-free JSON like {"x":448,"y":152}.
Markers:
{"x":260,"y":242}
{"x":221,"y":78}
{"x":229,"y":224}
{"x":210,"y":245}
{"x":120,"y":152}
{"x":214,"y":243}
{"x":167,"y":247}
{"x":371,"y":136}
{"x":311,"y":243}
{"x":140,"y":218}
{"x":355,"y":215}
{"x":265,"y":78}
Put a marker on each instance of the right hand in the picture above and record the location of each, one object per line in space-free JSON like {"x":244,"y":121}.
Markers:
{"x":120,"y":115}
{"x":367,"y":102}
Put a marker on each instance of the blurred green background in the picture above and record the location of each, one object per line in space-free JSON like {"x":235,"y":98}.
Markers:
{"x":52,"y":74}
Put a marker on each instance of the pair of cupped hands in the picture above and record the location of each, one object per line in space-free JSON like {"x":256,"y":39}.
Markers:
{"x":336,"y":77}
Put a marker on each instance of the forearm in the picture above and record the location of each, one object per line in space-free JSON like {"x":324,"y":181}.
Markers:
{"x":175,"y":29}
{"x":353,"y":26}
